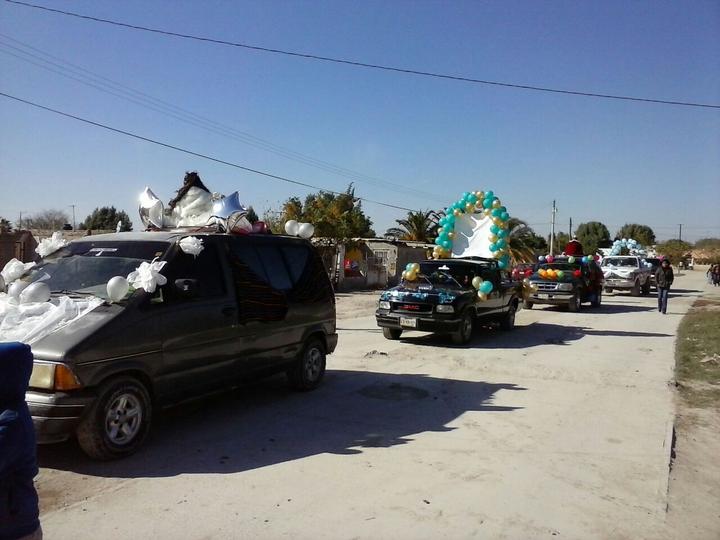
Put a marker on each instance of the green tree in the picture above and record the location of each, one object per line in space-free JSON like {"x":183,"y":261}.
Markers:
{"x":642,"y":233}
{"x":418,"y":226}
{"x":708,"y":243}
{"x":336,"y":216}
{"x":106,"y":218}
{"x":675,"y":250}
{"x":593,"y":235}
{"x":521,"y":241}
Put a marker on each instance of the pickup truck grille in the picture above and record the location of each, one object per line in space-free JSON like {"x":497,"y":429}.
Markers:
{"x":545,"y":286}
{"x":411,"y":307}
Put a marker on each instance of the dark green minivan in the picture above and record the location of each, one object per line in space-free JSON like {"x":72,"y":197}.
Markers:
{"x":245,"y":306}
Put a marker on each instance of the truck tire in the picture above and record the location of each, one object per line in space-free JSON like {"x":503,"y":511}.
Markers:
{"x":118,"y":420}
{"x":527,"y":304}
{"x":635,"y":291}
{"x":575,"y":303}
{"x":464,"y":333}
{"x":392,"y":333}
{"x":646,"y":287}
{"x":508,"y":321}
{"x":309,"y":368}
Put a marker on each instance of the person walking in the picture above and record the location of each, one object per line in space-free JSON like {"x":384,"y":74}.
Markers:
{"x":19,"y":513}
{"x":663,"y":280}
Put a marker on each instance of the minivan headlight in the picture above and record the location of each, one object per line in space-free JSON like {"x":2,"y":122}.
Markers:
{"x":445,"y":308}
{"x":53,"y":377}
{"x":384,"y":304}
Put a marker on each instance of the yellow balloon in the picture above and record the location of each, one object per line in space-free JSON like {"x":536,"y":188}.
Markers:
{"x":482,"y":296}
{"x":457,"y":212}
{"x":415,"y":267}
{"x":486,"y":211}
{"x":451,"y":235}
{"x":496,"y":203}
{"x":493,"y":238}
{"x":477,"y":280}
{"x":480,"y":195}
{"x":469,"y":207}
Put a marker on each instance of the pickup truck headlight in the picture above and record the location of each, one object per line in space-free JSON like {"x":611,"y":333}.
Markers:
{"x":445,"y":308}
{"x":384,"y":304}
{"x":53,"y":377}
{"x":565,"y":286}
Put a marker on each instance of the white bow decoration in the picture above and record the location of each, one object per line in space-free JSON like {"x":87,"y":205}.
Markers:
{"x":51,"y":245}
{"x":192,"y":245}
{"x":147,"y":276}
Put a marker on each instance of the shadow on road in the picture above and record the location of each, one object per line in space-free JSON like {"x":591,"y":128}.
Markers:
{"x":523,"y":337}
{"x":266,"y":424}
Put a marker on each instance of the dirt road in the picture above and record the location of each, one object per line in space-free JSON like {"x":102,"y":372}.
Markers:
{"x":557,"y":429}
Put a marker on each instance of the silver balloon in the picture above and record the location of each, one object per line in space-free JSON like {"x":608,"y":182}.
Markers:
{"x":226,"y":207}
{"x":238,"y":223}
{"x":151,"y":209}
{"x":35,"y":292}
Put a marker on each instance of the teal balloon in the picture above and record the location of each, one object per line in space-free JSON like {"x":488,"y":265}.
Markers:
{"x":503,"y":209}
{"x":447,"y":244}
{"x":443,"y":236}
{"x":442,"y":221}
{"x":487,"y":203}
{"x":502,"y":265}
{"x":504,"y":216}
{"x":495,"y":230}
{"x":449,"y":211}
{"x":465,"y":195}
{"x":408,"y":266}
{"x":502,"y":233}
{"x":489,"y":195}
{"x":472,"y":198}
{"x":493,"y":248}
{"x":501,"y":243}
{"x":438,"y":241}
{"x":486,"y":287}
{"x":495,"y":212}
{"x":450,"y":218}
{"x":447,"y":228}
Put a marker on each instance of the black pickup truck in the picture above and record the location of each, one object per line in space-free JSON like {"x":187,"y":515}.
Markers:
{"x":443,"y":299}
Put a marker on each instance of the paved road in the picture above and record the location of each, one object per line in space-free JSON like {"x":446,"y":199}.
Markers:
{"x":557,"y":429}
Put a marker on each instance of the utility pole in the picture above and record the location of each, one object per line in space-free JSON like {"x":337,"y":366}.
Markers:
{"x":570,"y":234}
{"x":73,"y":207}
{"x":552,"y":229}
{"x":680,"y":235}
{"x":20,"y":221}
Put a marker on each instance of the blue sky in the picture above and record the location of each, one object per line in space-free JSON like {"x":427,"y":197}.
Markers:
{"x":605,"y":160}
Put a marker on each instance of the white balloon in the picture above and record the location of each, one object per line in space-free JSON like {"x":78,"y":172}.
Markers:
{"x":117,"y":288}
{"x":306,"y":230}
{"x":291,"y":227}
{"x":35,"y":292}
{"x":16,"y":287}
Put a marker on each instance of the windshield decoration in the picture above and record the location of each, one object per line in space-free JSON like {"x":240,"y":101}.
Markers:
{"x":13,"y":270}
{"x":192,"y":245}
{"x":147,"y":276}
{"x":475,"y":225}
{"x":303,"y":230}
{"x":117,"y":288}
{"x":51,"y":245}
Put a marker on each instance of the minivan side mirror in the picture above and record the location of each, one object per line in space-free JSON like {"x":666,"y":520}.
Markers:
{"x":187,"y":288}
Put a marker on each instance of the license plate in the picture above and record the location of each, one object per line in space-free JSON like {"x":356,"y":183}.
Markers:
{"x":408,"y":322}
{"x":543,"y":296}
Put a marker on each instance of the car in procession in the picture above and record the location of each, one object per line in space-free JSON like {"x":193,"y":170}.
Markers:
{"x":450,"y":296}
{"x":239,"y":307}
{"x":628,"y":273}
{"x":567,"y":282}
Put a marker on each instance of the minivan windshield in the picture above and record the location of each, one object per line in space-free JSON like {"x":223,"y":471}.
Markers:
{"x":86,"y":267}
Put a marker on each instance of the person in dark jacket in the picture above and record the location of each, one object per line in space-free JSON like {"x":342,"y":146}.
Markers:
{"x":663,"y":280}
{"x":18,"y":459}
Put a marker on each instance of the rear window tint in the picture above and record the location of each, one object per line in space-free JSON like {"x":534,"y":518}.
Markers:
{"x":275,"y":267}
{"x":296,"y":258}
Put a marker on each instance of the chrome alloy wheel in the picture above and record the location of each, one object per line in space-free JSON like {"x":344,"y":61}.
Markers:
{"x":313,"y":364}
{"x":123,"y":419}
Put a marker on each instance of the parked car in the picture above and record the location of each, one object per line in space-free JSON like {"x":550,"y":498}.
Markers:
{"x":580,"y":283}
{"x":246,"y":306}
{"x":442,"y":299}
{"x":627,"y":272}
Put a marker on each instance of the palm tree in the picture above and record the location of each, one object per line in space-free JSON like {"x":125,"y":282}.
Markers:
{"x":520,"y":236}
{"x":420,"y":226}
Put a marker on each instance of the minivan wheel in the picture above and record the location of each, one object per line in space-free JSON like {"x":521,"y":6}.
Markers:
{"x":117,"y":422}
{"x":392,"y":333}
{"x":309,"y":368}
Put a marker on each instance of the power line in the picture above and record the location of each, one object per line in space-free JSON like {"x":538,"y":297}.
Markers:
{"x":363,"y":64}
{"x":197,"y":154}
{"x":119,"y":90}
